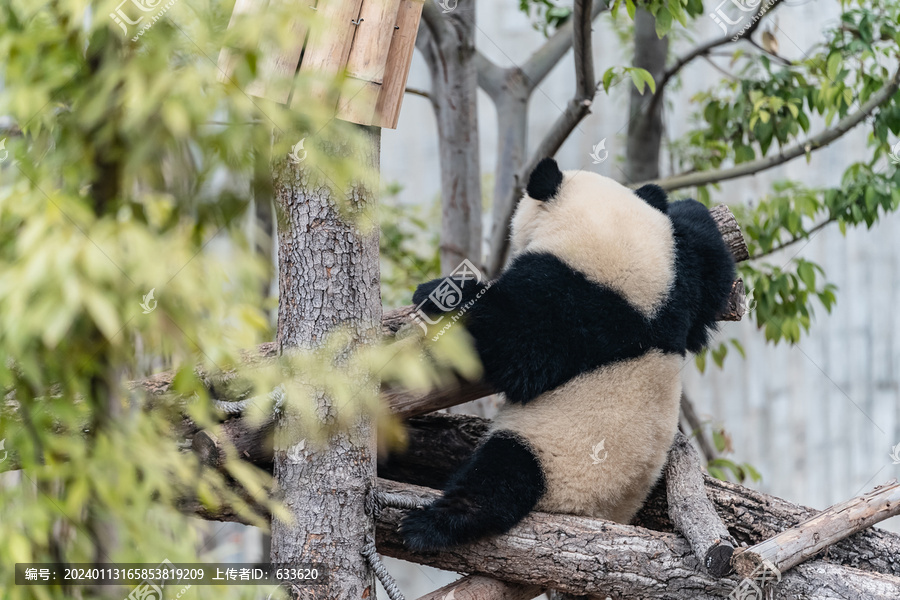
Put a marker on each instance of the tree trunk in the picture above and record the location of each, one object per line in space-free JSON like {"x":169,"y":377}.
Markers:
{"x":328,"y":277}
{"x":645,"y":126}
{"x":512,"y":132}
{"x":450,"y":55}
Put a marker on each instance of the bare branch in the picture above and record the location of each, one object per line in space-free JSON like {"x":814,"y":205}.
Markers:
{"x":794,"y":239}
{"x":576,"y":110}
{"x":418,"y":92}
{"x":677,"y":182}
{"x":584,"y":57}
{"x":690,"y":415}
{"x":548,"y":56}
{"x":692,"y":512}
{"x":490,"y":75}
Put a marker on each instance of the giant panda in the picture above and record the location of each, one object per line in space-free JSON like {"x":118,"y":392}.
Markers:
{"x":585,"y":333}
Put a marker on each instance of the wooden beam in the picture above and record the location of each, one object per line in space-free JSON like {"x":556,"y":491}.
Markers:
{"x":797,"y":544}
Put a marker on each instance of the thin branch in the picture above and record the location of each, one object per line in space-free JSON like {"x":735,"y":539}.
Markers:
{"x":795,"y":239}
{"x":418,"y":92}
{"x":677,"y":182}
{"x":705,"y":48}
{"x":548,"y":56}
{"x":584,"y":58}
{"x":780,"y":59}
{"x":690,"y":415}
{"x":720,"y":69}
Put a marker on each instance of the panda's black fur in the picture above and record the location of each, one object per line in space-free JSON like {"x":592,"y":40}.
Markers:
{"x":545,"y":329}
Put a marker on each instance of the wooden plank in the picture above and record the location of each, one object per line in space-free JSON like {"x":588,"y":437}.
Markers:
{"x":369,"y":50}
{"x":358,"y":101}
{"x":398,"y":62}
{"x":328,"y":46}
{"x":368,"y":60}
{"x":227,"y":59}
{"x":278,"y":65}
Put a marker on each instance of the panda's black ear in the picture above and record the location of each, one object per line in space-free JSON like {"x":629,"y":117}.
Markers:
{"x":545,"y":180}
{"x":655,"y":196}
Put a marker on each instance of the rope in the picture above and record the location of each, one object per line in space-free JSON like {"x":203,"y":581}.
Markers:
{"x":381,"y":572}
{"x":374,"y":503}
{"x":236,"y":407}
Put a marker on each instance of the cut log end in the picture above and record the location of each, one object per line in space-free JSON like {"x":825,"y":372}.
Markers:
{"x":736,"y":306}
{"x":718,"y":559}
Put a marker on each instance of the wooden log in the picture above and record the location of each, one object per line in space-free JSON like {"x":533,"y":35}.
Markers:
{"x":731,"y":232}
{"x":474,"y":587}
{"x":439,"y":444}
{"x":692,"y":512}
{"x":797,"y":544}
{"x":736,"y":305}
{"x":579,"y":555}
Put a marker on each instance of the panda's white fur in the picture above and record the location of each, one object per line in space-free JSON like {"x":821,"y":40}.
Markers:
{"x":586,"y":333}
{"x":627,"y":411}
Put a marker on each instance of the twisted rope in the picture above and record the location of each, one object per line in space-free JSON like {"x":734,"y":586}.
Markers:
{"x":381,"y":572}
{"x":236,"y":407}
{"x":376,"y":501}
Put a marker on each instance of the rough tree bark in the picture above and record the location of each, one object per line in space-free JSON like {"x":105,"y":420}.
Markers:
{"x":328,"y":277}
{"x":447,"y":41}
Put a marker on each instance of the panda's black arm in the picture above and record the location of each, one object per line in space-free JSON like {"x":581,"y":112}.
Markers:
{"x":423,"y":299}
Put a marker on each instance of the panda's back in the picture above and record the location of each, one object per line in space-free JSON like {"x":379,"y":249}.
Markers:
{"x":602,"y":437}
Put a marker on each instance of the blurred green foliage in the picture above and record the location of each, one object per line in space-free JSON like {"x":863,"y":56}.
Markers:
{"x":117,"y":184}
{"x":409,"y":244}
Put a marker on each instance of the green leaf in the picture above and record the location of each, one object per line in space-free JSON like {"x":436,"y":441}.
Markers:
{"x":719,"y":440}
{"x":607,"y":78}
{"x":630,"y":7}
{"x":663,"y":22}
{"x":833,"y":65}
{"x":807,"y":274}
{"x":641,"y":77}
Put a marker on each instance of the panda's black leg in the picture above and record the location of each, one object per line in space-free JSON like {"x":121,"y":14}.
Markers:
{"x":493,"y":491}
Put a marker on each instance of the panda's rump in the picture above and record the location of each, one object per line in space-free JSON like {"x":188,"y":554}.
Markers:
{"x":603,"y":437}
